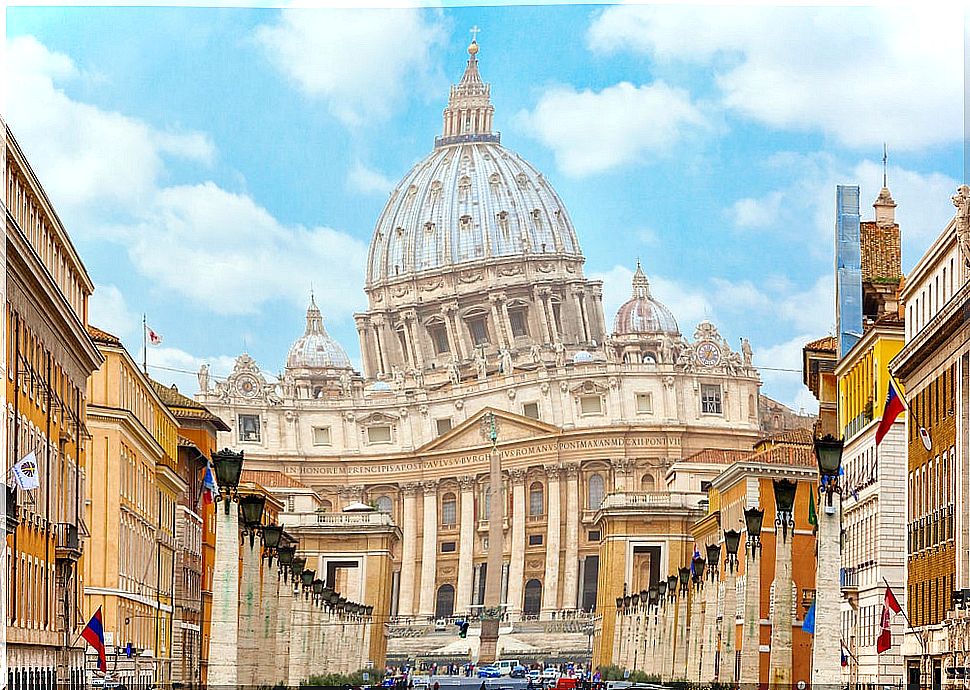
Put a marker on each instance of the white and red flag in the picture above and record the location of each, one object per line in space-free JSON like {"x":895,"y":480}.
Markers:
{"x":890,"y":607}
{"x":151,"y":337}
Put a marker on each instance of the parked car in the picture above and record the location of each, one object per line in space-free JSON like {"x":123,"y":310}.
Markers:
{"x":517,"y":672}
{"x":550,"y":674}
{"x":505,"y":666}
{"x":489,"y":672}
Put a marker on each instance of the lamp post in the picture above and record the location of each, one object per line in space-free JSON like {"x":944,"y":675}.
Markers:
{"x":224,"y":636}
{"x":272,"y":536}
{"x":661,"y":633}
{"x":696,"y":634}
{"x":751,"y":632}
{"x":251,"y":508}
{"x":727,"y":663}
{"x":670,"y":630}
{"x":780,"y":659}
{"x":826,"y":648}
{"x":492,"y":609}
{"x":650,"y":635}
{"x":711,"y":593}
{"x":679,"y":671}
{"x":285,"y":552}
{"x":228,"y":466}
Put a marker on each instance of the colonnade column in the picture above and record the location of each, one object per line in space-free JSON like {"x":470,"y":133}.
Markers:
{"x":550,"y":586}
{"x":709,"y":645}
{"x":429,"y":549}
{"x":225,"y":599}
{"x":826,"y":645}
{"x":680,"y":654}
{"x":266,"y":635}
{"x":726,"y":665}
{"x":409,"y":538}
{"x":466,"y":545}
{"x":284,"y":618}
{"x":750,"y":675}
{"x":249,"y":604}
{"x":517,"y":562}
{"x":571,"y":576}
{"x":670,"y":619}
{"x":695,"y":647}
{"x":779,"y":668}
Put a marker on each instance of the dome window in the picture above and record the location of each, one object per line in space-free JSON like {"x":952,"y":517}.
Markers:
{"x":494,"y":179}
{"x":522,"y":180}
{"x":399,"y":230}
{"x":429,"y":227}
{"x":412,"y":190}
{"x":465,"y":222}
{"x":503,"y":223}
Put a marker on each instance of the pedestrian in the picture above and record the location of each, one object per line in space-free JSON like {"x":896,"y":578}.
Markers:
{"x":482,"y":686}
{"x":437,"y":685}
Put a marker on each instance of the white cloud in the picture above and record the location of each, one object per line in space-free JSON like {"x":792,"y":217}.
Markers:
{"x":108,"y":311}
{"x":592,"y":131}
{"x":170,"y":365}
{"x":357,"y":61}
{"x":369,"y":181}
{"x":780,"y":367}
{"x":863,"y":75}
{"x":104,"y":172}
{"x":757,"y":213}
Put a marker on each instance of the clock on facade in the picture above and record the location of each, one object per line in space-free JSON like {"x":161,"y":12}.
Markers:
{"x":707,"y":354}
{"x":247,"y":386}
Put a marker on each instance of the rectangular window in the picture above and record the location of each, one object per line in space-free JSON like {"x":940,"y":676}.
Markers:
{"x":644,"y":403}
{"x":439,"y":336}
{"x":249,"y":427}
{"x":321,"y":436}
{"x":535,"y":540}
{"x":530,"y":409}
{"x":379,"y":434}
{"x":443,"y":425}
{"x":518,"y":323}
{"x":710,"y":398}
{"x":478,"y":330}
{"x":591,"y":404}
{"x":448,"y":547}
{"x":593,"y":535}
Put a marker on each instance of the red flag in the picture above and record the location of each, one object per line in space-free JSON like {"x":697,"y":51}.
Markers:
{"x":93,"y":634}
{"x":894,"y":407}
{"x":889,"y":604}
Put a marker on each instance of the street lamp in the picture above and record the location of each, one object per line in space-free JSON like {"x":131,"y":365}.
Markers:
{"x":272,"y":535}
{"x":828,"y":455}
{"x":228,"y":466}
{"x":653,"y":594}
{"x":784,"y":504}
{"x":251,"y":506}
{"x":286,"y":554}
{"x":753,"y":520}
{"x":713,"y":556}
{"x":699,"y":564}
{"x":684,"y":575}
{"x":672,"y":586}
{"x":732,"y":540}
{"x":661,"y":590}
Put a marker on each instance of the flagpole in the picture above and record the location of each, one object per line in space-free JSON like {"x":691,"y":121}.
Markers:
{"x":144,"y":343}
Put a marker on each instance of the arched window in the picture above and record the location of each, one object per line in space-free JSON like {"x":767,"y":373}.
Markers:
{"x":326,"y":506}
{"x":594,"y":491}
{"x":449,"y":509}
{"x":444,"y":605}
{"x":649,"y":358}
{"x":533,"y":598}
{"x":647,"y":483}
{"x":484,"y":508}
{"x":384,"y":504}
{"x":536,"y":506}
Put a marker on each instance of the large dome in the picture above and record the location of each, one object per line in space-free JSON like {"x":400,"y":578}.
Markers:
{"x":642,"y":314}
{"x":470,"y":201}
{"x":316,"y":349}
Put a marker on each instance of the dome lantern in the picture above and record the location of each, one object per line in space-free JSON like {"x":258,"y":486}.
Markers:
{"x":642,"y":314}
{"x":316,"y":349}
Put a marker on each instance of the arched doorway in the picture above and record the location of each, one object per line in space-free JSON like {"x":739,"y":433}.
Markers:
{"x":533,"y":598}
{"x":444,"y":605}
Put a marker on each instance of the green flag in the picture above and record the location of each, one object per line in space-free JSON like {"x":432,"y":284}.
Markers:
{"x":812,"y":517}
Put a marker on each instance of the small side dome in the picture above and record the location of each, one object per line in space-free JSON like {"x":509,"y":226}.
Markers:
{"x":316,"y":349}
{"x":582,"y":357}
{"x":642,"y":314}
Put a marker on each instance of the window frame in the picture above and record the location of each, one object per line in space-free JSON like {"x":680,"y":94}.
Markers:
{"x":719,"y":400}
{"x":243,"y":437}
{"x":327,"y":429}
{"x":390,"y":435}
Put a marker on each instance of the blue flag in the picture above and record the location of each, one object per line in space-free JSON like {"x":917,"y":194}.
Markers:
{"x":808,"y":625}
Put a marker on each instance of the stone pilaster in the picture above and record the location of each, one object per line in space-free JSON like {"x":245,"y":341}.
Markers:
{"x":266,"y":631}
{"x":826,"y":649}
{"x":284,"y":618}
{"x":249,"y":604}
{"x":550,"y":587}
{"x":709,"y":645}
{"x":750,"y":674}
{"x":679,"y":670}
{"x":618,"y":638}
{"x":517,"y":563}
{"x":779,"y":668}
{"x":466,"y":545}
{"x":670,"y":631}
{"x":409,"y":538}
{"x":299,"y":627}
{"x":726,"y":662}
{"x":225,"y":599}
{"x":695,"y":647}
{"x":429,"y":549}
{"x":571,"y":576}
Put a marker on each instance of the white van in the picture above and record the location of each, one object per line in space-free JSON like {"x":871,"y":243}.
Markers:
{"x":505,"y":666}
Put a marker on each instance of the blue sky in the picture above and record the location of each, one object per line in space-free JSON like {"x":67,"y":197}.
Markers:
{"x":213,"y":164}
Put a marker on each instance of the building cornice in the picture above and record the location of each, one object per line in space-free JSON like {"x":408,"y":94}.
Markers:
{"x":954,"y":315}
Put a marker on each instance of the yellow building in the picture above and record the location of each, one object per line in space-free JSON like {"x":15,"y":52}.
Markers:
{"x":48,"y":358}
{"x":134,"y":487}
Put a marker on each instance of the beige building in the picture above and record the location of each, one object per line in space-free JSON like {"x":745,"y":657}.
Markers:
{"x":131,"y":513}
{"x":48,"y":358}
{"x":477,"y":301}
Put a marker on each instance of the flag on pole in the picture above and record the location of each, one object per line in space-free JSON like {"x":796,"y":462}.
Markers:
{"x":845,"y":657}
{"x":889,"y":603}
{"x":27,"y":473}
{"x":151,"y":337}
{"x":209,"y":486}
{"x":808,"y":625}
{"x":93,"y":634}
{"x":894,"y":407}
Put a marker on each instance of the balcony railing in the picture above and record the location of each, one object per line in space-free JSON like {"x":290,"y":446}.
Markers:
{"x":849,"y":579}
{"x":68,"y":542}
{"x":371,"y":519}
{"x":653,"y":499}
{"x":13,"y":518}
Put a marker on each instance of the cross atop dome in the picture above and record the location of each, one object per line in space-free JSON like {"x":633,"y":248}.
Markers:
{"x":468,"y":116}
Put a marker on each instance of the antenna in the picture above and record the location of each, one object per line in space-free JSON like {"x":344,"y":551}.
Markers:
{"x":885,"y":161}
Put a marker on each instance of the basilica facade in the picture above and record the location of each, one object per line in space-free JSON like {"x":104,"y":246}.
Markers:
{"x":477,"y":303}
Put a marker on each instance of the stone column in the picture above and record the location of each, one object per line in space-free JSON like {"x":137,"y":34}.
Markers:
{"x":779,"y":668}
{"x":540,"y":302}
{"x":365,"y":348}
{"x":466,"y":545}
{"x":266,"y":633}
{"x":297,"y":632}
{"x":223,"y":641}
{"x":695,"y":648}
{"x":410,"y":318}
{"x":667,"y":648}
{"x":429,"y":549}
{"x":284,"y":618}
{"x":581,"y":315}
{"x":709,"y":643}
{"x":507,"y":322}
{"x":617,"y":655}
{"x":750,"y":675}
{"x":383,"y":358}
{"x":570,"y":577}
{"x":680,"y":649}
{"x":517,"y":563}
{"x":494,"y":301}
{"x":653,"y":639}
{"x":550,"y":580}
{"x":726,"y":664}
{"x":826,"y":649}
{"x":409,"y":538}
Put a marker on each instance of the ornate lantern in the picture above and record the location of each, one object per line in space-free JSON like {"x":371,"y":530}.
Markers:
{"x":228,"y":466}
{"x":251,"y":508}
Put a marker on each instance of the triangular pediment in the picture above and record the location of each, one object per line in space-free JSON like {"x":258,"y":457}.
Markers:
{"x":468,"y":434}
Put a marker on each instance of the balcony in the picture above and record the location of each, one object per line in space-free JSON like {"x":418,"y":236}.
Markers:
{"x":849,"y":580}
{"x":653,"y":499}
{"x":13,"y":518}
{"x":68,"y":542}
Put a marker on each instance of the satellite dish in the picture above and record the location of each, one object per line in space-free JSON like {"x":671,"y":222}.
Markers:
{"x":924,"y":436}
